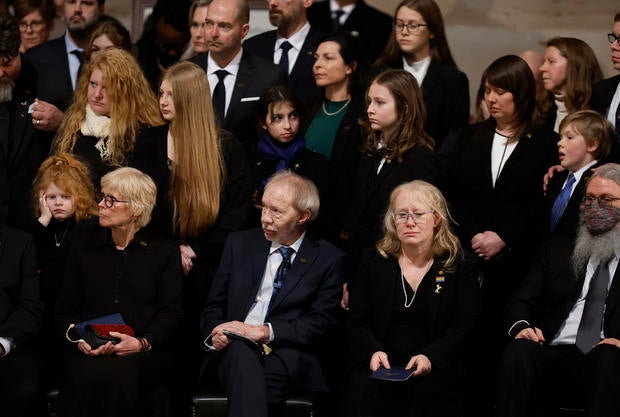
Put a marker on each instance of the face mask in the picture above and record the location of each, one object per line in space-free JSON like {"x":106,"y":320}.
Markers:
{"x":599,"y":219}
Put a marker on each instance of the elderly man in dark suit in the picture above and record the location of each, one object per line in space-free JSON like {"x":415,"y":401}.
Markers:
{"x":20,"y":320}
{"x":565,"y":320}
{"x":371,"y":26}
{"x":66,"y":55}
{"x":237,"y":78}
{"x":291,"y":46}
{"x":606,"y":93}
{"x":277,"y":286}
{"x":22,"y":148}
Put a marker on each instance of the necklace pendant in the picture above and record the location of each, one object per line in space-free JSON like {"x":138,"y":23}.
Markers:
{"x":58,"y":244}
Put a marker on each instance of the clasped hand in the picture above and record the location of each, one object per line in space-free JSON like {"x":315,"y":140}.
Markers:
{"x":255,"y":332}
{"x":487,"y":244}
{"x":421,"y":362}
{"x":126,"y":346}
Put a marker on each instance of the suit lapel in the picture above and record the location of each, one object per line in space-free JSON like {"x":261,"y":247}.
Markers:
{"x":257,"y":264}
{"x":241,"y":85}
{"x":307,"y":255}
{"x":522,"y":146}
{"x":614,"y":292}
{"x":430,"y":81}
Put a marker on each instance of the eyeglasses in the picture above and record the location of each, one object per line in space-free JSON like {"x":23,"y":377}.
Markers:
{"x":411,"y":27}
{"x":603,"y":201}
{"x":35,"y":26}
{"x":402,"y":217}
{"x":274,"y":213}
{"x":109,"y":200}
{"x":613,"y":38}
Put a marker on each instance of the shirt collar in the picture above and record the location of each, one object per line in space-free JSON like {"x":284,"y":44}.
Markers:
{"x":297,"y":39}
{"x":232,"y":67}
{"x":70,"y":45}
{"x":333,"y":6}
{"x":579,"y":173}
{"x":296,"y":245}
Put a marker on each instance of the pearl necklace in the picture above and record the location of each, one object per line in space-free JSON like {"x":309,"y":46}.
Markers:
{"x":407,"y":303}
{"x":337,"y":111}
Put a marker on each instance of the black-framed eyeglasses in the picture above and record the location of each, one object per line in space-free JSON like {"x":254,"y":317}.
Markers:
{"x":35,"y":26}
{"x":602,"y":201}
{"x":402,"y":217}
{"x":411,"y":27}
{"x":109,"y":200}
{"x":613,"y":38}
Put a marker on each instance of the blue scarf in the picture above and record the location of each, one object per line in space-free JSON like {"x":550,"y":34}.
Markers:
{"x":269,"y":150}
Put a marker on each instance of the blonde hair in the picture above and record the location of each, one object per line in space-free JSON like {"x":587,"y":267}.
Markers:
{"x":198,"y":175}
{"x":132,"y":105}
{"x":73,"y":177}
{"x":595,"y":129}
{"x":444,"y":240}
{"x":137,"y":188}
{"x":305,"y":194}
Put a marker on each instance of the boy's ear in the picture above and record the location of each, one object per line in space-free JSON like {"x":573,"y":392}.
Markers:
{"x":593,"y":146}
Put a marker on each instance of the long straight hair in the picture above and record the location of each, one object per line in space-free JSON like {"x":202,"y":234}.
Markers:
{"x":198,"y":172}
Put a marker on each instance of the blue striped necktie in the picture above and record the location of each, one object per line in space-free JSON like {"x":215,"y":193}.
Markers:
{"x":560,"y":203}
{"x":282,"y":270}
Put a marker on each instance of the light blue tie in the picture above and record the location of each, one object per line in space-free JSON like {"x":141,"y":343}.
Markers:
{"x":560,"y":203}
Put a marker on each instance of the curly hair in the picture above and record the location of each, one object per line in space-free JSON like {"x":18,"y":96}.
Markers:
{"x":198,"y":174}
{"x":133,"y":105}
{"x":73,"y":177}
{"x":444,"y":240}
{"x":410,"y":111}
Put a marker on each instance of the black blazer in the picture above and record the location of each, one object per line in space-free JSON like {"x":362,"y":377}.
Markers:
{"x":300,"y":79}
{"x":54,"y":53}
{"x":513,"y":208}
{"x":602,"y":94}
{"x":452,"y":319}
{"x":371,"y":26}
{"x":20,"y":305}
{"x":254,"y":77}
{"x":550,"y":290}
{"x":303,"y":312}
{"x":446,"y":97}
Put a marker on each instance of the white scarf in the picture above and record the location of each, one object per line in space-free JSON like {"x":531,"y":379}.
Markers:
{"x":99,"y":127}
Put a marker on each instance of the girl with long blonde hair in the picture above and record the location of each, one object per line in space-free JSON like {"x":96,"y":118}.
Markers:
{"x":111,"y":104}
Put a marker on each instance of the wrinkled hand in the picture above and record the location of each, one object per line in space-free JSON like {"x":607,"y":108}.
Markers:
{"x":422,"y":364}
{"x":610,"y":341}
{"x":128,"y":344}
{"x":187,"y":256}
{"x":344,"y":303}
{"x":550,"y":172}
{"x":378,"y":359}
{"x":46,"y":117}
{"x":256,"y":332}
{"x":487,"y":244}
{"x":104,"y":350}
{"x":533,"y":334}
{"x":46,"y":214}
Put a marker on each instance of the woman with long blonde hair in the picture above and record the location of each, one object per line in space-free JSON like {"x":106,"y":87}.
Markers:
{"x":200,"y":170}
{"x":112,"y":103}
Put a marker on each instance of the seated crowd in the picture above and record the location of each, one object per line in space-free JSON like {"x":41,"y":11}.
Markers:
{"x":308,"y":211}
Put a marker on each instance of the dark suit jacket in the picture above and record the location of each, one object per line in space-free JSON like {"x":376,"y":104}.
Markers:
{"x":303,"y":312}
{"x":550,"y":290}
{"x":300,"y":79}
{"x":569,"y":222}
{"x":371,"y":26}
{"x":452,"y":318}
{"x":602,"y":94}
{"x":20,"y":305}
{"x":446,"y":97}
{"x":51,"y":61}
{"x":254,"y":77}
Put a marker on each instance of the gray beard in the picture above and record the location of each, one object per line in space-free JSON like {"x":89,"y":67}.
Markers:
{"x":601,"y":246}
{"x":6,"y":89}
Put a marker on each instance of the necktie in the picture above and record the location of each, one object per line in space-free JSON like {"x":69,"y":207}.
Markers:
{"x":286,"y":46}
{"x":618,"y":121}
{"x":336,"y":15}
{"x":219,"y":94}
{"x":589,"y":332}
{"x":560,"y":203}
{"x":282,"y":270}
{"x":80,"y":56}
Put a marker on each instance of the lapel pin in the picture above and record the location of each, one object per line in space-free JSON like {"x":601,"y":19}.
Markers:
{"x":241,"y":85}
{"x":303,"y":260}
{"x":438,"y":288}
{"x":143,"y":244}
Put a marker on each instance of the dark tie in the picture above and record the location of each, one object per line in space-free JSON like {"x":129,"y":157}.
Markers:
{"x":285,"y":265}
{"x":589,"y":332}
{"x":80,"y":56}
{"x":336,"y":14}
{"x":219,"y":94}
{"x":561,"y":201}
{"x":286,"y":46}
{"x":618,"y":121}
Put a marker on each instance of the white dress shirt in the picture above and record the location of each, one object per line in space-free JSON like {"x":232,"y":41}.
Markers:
{"x":229,"y":81}
{"x":418,"y":69}
{"x":297,"y":42}
{"x":613,"y":107}
{"x":74,"y":61}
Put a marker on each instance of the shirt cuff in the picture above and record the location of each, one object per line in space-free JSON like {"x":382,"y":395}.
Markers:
{"x":521,"y":324}
{"x":6,"y":344}
{"x":271,"y":334}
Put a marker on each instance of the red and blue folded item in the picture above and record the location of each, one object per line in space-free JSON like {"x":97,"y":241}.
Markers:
{"x":96,"y":332}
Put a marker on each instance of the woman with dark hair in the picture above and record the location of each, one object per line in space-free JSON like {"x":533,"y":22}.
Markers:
{"x":569,"y":72}
{"x":419,"y":45}
{"x":495,"y":185}
{"x":108,"y":33}
{"x":35,"y":19}
{"x":395,"y":319}
{"x":334,"y":130}
{"x":396,"y":150}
